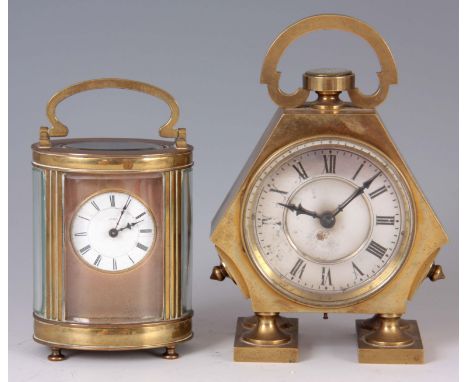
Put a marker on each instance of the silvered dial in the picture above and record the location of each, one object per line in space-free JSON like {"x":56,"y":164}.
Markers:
{"x":112,"y":231}
{"x":327,"y":220}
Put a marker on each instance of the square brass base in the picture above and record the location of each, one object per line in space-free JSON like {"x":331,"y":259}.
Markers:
{"x":287,"y":353}
{"x":413,"y":354}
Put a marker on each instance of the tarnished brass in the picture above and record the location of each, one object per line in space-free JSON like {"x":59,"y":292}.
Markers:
{"x":271,"y":77}
{"x":170,"y":353}
{"x":277,"y":350}
{"x":58,"y":129}
{"x":328,"y":80}
{"x":296,"y":122}
{"x":56,"y":355}
{"x":436,"y":273}
{"x":218,"y":273}
{"x":116,"y":337}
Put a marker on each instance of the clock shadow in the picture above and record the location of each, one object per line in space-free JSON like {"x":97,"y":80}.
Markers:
{"x":333,"y":338}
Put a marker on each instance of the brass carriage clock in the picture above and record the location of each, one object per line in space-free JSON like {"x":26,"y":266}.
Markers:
{"x":112,"y":239}
{"x":326,"y":216}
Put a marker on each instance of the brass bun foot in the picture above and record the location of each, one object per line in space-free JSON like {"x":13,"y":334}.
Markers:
{"x":170,"y":353}
{"x":266,"y":337}
{"x":384,"y":339}
{"x":56,"y":355}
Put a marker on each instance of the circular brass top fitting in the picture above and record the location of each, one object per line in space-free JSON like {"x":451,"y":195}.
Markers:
{"x":328,"y":80}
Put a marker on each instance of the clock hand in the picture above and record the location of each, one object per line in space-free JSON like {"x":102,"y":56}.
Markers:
{"x":299,"y":210}
{"x":123,"y":210}
{"x":355,"y":194}
{"x":129,"y":225}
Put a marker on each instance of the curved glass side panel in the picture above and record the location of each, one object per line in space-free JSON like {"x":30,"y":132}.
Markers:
{"x":39,"y":241}
{"x":186,"y":244}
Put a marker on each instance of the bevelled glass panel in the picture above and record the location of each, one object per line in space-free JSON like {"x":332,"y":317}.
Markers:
{"x":39,"y":241}
{"x":186,"y":244}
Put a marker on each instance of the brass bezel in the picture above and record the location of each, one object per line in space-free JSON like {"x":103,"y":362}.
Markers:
{"x":315,"y":299}
{"x":150,"y":251}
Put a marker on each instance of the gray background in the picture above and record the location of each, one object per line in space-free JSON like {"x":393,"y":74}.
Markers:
{"x":208,"y":54}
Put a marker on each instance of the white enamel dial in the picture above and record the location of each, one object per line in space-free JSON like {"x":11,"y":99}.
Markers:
{"x":326,"y":220}
{"x":113,"y":231}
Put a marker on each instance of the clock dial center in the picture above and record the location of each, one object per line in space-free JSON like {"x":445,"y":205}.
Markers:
{"x":331,"y":236}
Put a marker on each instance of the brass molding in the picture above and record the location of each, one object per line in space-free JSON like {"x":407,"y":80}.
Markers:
{"x":59,"y":157}
{"x":271,"y":77}
{"x":112,"y":337}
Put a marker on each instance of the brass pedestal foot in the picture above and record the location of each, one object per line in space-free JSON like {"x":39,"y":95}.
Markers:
{"x":385,"y":339}
{"x":170,"y":353}
{"x":251,"y":322}
{"x":56,"y":355}
{"x":374,"y":322}
{"x":266,"y":337}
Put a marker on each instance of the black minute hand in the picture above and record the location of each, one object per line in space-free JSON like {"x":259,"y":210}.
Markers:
{"x":355,"y":194}
{"x":123,"y":210}
{"x":299,"y":210}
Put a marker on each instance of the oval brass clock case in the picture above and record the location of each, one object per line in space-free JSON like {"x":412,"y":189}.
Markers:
{"x":354,"y":295}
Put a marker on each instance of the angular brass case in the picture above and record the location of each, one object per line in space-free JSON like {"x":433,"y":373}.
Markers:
{"x":295,"y":124}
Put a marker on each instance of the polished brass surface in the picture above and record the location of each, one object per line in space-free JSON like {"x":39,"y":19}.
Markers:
{"x":388,"y":333}
{"x":56,"y":355}
{"x":54,"y":231}
{"x":112,"y":337}
{"x":173,"y":217}
{"x":408,"y":351}
{"x":266,"y":331}
{"x":375,"y":321}
{"x":436,"y":273}
{"x":58,"y":157}
{"x":298,"y":121}
{"x":58,"y":129}
{"x":271,"y":77}
{"x":328,"y":100}
{"x":252,"y":321}
{"x":274,"y":352}
{"x":295,"y":124}
{"x":170,"y":353}
{"x":64,"y":323}
{"x":328,"y":80}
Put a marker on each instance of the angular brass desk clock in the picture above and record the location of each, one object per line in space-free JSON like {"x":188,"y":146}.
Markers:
{"x":326,"y":216}
{"x":112,"y":240}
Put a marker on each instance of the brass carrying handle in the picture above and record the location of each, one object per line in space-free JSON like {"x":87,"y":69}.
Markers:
{"x":270,"y":76}
{"x":58,"y":129}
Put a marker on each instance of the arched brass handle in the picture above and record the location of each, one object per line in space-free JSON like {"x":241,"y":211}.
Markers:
{"x":167,"y":130}
{"x":270,"y":76}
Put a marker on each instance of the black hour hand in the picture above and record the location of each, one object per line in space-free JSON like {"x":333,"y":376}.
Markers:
{"x":299,"y":210}
{"x":130,"y":225}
